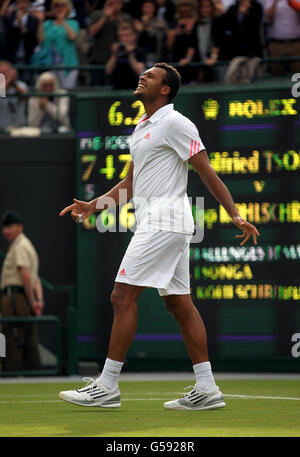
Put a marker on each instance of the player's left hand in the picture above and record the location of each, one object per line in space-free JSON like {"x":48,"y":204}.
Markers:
{"x":247,"y":229}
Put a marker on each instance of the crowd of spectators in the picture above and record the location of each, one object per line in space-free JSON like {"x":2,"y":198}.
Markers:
{"x":121,"y":38}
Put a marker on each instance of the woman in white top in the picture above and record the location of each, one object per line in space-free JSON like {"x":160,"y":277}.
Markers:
{"x":49,"y":112}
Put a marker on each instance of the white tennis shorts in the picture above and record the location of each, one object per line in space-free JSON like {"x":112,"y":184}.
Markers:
{"x":157,"y":259}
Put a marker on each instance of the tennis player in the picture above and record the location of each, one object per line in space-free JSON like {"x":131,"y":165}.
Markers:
{"x":158,"y":254}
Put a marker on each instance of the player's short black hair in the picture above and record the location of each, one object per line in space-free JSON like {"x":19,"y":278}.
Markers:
{"x":172,"y":78}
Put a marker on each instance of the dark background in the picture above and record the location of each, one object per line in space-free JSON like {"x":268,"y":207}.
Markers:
{"x":37,"y":178}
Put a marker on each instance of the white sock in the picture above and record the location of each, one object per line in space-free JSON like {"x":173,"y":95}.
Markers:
{"x":204,"y":377}
{"x":110,"y":374}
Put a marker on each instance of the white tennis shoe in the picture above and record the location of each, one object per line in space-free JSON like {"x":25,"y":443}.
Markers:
{"x":196,"y":399}
{"x":93,"y":394}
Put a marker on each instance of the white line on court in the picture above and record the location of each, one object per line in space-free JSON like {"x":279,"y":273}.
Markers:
{"x":160,"y":376}
{"x":263,"y":397}
{"x":237,"y":396}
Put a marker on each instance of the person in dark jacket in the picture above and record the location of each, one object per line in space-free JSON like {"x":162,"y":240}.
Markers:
{"x":126,"y":62}
{"x":20,"y":33}
{"x":166,"y":10}
{"x":238,"y":39}
{"x":181,"y":40}
{"x":241,"y":28}
{"x":206,"y":29}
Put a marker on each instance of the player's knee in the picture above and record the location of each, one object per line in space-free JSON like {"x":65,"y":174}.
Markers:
{"x":172,"y":308}
{"x":118,"y":300}
{"x":179,"y":307}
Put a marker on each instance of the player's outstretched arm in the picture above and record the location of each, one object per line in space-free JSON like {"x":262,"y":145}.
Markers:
{"x":85,"y":209}
{"x":217,"y":188}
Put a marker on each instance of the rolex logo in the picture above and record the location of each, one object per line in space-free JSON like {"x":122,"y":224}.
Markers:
{"x":211,"y":109}
{"x":259,"y":185}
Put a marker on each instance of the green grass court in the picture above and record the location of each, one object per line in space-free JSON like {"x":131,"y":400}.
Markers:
{"x":254,"y":408}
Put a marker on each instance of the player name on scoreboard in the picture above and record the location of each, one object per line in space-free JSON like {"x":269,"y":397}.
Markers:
{"x":245,"y":292}
{"x":269,"y":253}
{"x":224,"y":162}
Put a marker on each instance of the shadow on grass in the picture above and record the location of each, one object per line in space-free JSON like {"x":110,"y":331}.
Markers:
{"x":100,"y":410}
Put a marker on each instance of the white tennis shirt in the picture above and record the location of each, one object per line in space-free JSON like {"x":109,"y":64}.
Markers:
{"x":160,"y":147}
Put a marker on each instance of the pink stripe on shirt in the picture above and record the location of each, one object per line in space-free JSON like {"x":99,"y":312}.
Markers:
{"x":195,"y":147}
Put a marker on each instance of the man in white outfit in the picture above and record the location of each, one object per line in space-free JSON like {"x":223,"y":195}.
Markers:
{"x":158,"y":254}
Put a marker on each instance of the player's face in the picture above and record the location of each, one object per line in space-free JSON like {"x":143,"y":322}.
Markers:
{"x":150,"y":84}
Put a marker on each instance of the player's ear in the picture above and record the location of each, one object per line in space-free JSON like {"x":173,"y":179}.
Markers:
{"x":165,"y":90}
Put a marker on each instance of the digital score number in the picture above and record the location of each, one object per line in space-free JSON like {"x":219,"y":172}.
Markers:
{"x":117,"y":118}
{"x":109,"y":170}
{"x":110,"y":150}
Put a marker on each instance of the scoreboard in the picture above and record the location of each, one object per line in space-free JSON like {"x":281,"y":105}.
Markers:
{"x":248,"y":296}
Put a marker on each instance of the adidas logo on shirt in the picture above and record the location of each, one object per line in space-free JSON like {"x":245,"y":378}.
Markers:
{"x":147,"y":137}
{"x":122,"y":272}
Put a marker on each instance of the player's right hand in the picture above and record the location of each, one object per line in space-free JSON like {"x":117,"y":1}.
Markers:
{"x":78,"y":208}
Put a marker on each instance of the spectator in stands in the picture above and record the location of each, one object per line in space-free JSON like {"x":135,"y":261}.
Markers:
{"x":21,"y":296}
{"x":43,"y":8}
{"x":166,"y":10}
{"x":40,"y":5}
{"x":152,"y":33}
{"x":284,"y":35}
{"x":38,"y":10}
{"x":48,"y":112}
{"x":6,"y":7}
{"x":79,"y":13}
{"x":13,"y":106}
{"x":103,"y":28}
{"x":58,"y":36}
{"x":206,"y":29}
{"x":228,"y":3}
{"x":219,"y":7}
{"x":20,"y":33}
{"x":126,"y":62}
{"x":1,"y":34}
{"x":92,"y":5}
{"x":240,"y":37}
{"x":181,"y":41}
{"x":241,"y":30}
